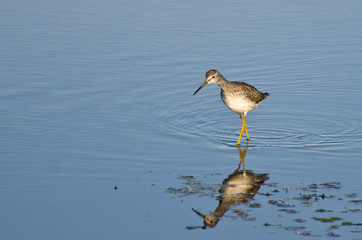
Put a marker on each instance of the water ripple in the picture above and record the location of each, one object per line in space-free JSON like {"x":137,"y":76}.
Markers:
{"x":190,"y":118}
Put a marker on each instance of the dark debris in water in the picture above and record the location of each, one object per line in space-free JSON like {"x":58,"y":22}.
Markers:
{"x":304,"y":233}
{"x":326,"y":220}
{"x":351,"y":195}
{"x":271,"y":224}
{"x":314,"y":200}
{"x":329,"y":185}
{"x":194,"y":187}
{"x":332,"y":234}
{"x":351,"y":210}
{"x":281,"y":203}
{"x":240,"y":214}
{"x":294,"y":228}
{"x":299,"y":220}
{"x":351,"y":224}
{"x":186,"y":177}
{"x":253,"y":204}
{"x":265,"y":194}
{"x":356,"y":201}
{"x":289,"y":211}
{"x":322,"y":210}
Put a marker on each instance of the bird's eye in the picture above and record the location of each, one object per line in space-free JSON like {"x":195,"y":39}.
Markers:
{"x":213,"y":76}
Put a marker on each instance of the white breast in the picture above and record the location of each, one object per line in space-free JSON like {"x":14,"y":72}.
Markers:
{"x":238,"y":104}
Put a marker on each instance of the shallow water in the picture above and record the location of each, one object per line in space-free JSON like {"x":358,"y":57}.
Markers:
{"x":101,"y":135}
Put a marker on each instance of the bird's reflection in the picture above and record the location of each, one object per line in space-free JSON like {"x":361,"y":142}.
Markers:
{"x":238,"y":188}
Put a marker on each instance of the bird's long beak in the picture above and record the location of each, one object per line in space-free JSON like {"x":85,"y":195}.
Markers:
{"x":198,"y":213}
{"x":203,"y":85}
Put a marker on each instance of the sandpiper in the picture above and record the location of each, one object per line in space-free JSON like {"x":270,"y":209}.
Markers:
{"x":239,"y":97}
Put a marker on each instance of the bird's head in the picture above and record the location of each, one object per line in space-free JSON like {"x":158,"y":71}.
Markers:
{"x":212,"y":76}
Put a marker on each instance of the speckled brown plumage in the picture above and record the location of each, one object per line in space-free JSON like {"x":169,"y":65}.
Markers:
{"x":239,"y":97}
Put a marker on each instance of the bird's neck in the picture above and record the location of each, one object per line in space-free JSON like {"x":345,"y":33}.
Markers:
{"x":222,"y":82}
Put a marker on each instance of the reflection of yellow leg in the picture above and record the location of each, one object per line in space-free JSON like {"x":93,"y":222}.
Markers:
{"x":242,"y":154}
{"x":243,"y":128}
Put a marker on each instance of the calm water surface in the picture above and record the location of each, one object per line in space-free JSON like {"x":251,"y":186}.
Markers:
{"x":101,"y":137}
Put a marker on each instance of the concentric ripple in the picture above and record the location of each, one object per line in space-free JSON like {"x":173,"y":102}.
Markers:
{"x":276,"y":123}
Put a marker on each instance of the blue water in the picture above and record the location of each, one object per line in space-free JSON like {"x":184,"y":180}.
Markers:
{"x":98,"y":95}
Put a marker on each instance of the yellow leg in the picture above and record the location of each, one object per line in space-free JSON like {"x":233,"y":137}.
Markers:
{"x":243,"y":128}
{"x":241,"y":131}
{"x":246,"y":128}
